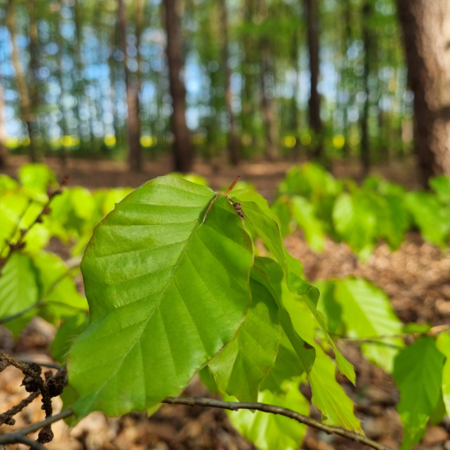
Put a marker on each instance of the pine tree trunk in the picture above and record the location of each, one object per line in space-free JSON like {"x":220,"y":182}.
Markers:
{"x":132,"y":93}
{"x":365,"y":144}
{"x":25,"y":103}
{"x":315,"y":122}
{"x":233,"y":144}
{"x":182,"y":150}
{"x":426,"y":33}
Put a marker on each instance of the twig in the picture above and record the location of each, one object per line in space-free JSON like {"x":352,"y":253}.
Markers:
{"x":7,"y":416}
{"x":234,"y":406}
{"x":45,"y":210}
{"x":43,"y":364}
{"x":16,"y":226}
{"x":433,"y":332}
{"x":21,"y":439}
{"x":12,"y":438}
{"x":212,"y":403}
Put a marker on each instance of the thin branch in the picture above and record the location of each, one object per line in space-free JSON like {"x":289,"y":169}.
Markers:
{"x":12,"y":438}
{"x":43,"y":364}
{"x":433,"y":332}
{"x":45,"y":210}
{"x":7,"y":416}
{"x":234,"y":406}
{"x":35,"y":445}
{"x":212,"y":403}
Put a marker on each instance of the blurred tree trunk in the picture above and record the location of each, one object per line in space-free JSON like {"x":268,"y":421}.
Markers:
{"x":132,"y":97}
{"x":248,"y":104}
{"x":24,"y":101}
{"x":344,"y":70}
{"x":426,"y":34}
{"x":233,"y":144}
{"x":182,"y":150}
{"x":295,"y":125}
{"x":365,"y":141}
{"x":3,"y":150}
{"x":315,"y":122}
{"x":266,"y":100}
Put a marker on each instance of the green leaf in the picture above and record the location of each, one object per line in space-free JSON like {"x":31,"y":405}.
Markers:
{"x":356,"y":222}
{"x":241,"y":366}
{"x":367,"y":313}
{"x":418,"y":375}
{"x":18,"y":290}
{"x":329,"y":396}
{"x":208,"y":380}
{"x":330,"y":307}
{"x":432,"y":218}
{"x":441,"y":185}
{"x":303,"y":213}
{"x":443,"y":344}
{"x":36,"y":178}
{"x":166,"y":293}
{"x":59,"y":294}
{"x":270,"y":431}
{"x":66,"y":334}
{"x":271,"y":276}
{"x":282,"y":209}
{"x":310,"y":295}
{"x":263,"y":220}
{"x":288,"y":366}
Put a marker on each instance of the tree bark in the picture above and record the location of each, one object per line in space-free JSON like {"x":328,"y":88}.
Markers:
{"x":132,"y":97}
{"x":3,"y":150}
{"x":365,"y":144}
{"x":182,"y":150}
{"x":426,"y":34}
{"x":266,"y":100}
{"x":233,"y":143}
{"x":295,"y":123}
{"x":315,"y":122}
{"x":22,"y":87}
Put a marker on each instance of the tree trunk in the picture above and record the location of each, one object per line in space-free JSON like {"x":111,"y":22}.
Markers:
{"x":315,"y":122}
{"x":344,"y":70}
{"x":295,"y":125}
{"x":132,"y":97}
{"x":3,"y":150}
{"x":182,"y":150}
{"x":233,"y":144}
{"x":365,"y":144}
{"x":426,"y":33}
{"x":25,"y":103}
{"x":266,"y":100}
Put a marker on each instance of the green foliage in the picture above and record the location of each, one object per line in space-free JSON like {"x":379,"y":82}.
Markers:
{"x":175,"y":287}
{"x":418,"y":374}
{"x":365,"y":313}
{"x":313,"y":200}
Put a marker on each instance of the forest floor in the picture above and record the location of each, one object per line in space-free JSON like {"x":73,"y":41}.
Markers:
{"x":416,"y":277}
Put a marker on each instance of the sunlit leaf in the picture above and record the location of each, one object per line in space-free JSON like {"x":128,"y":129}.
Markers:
{"x":166,"y":293}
